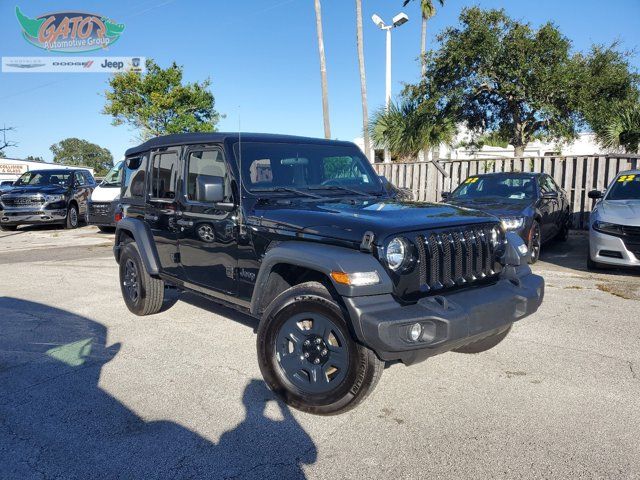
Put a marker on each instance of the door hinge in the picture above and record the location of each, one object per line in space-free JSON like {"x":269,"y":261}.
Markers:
{"x":367,"y":241}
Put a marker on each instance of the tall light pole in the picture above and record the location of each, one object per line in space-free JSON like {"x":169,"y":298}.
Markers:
{"x":398,"y":20}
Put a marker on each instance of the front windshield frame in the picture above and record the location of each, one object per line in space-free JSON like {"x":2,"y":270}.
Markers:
{"x":35,"y":173}
{"x":115,"y":170}
{"x":474,"y":179}
{"x":373,"y":186}
{"x":620,"y":182}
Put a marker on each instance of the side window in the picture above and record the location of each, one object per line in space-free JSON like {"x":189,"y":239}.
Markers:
{"x":163,"y":175}
{"x":80,"y":180}
{"x":546,"y":185}
{"x":88,"y":178}
{"x":135,"y":173}
{"x":202,"y":164}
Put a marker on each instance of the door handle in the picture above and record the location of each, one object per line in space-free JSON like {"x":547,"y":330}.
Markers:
{"x":184,"y":223}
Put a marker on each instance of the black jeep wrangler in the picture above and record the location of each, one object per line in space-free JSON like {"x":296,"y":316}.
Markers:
{"x":303,"y":235}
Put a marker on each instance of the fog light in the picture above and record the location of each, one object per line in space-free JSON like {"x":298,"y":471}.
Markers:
{"x":415,"y":332}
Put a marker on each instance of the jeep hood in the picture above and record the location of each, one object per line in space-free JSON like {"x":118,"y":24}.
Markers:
{"x":350,"y":219}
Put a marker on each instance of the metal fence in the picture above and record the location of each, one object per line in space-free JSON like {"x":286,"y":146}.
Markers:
{"x":576,"y":175}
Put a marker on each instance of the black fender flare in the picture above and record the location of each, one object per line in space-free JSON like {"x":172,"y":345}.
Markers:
{"x":324,"y":259}
{"x":141,"y":233}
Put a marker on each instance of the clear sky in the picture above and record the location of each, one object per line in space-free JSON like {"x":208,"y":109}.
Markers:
{"x":262,"y":58}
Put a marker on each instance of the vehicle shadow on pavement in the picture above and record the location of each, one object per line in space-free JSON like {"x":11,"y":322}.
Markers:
{"x":218,"y":309}
{"x":56,"y":422}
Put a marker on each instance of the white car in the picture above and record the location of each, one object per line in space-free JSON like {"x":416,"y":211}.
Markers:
{"x":614,"y":226}
{"x":104,"y":199}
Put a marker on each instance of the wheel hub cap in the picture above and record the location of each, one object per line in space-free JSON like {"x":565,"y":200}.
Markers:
{"x":314,"y":350}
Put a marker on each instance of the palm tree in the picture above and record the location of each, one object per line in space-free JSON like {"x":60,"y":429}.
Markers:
{"x":409,"y":126}
{"x":363,"y":78}
{"x":428,"y":10}
{"x":323,"y":71}
{"x":624,"y":131}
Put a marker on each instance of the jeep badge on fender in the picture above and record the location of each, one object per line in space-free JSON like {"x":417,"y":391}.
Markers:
{"x":341,"y":273}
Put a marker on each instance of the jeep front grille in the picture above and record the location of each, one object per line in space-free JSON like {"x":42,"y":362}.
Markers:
{"x":456,"y":257}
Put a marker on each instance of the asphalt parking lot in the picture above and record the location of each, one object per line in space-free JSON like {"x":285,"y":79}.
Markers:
{"x":88,"y":390}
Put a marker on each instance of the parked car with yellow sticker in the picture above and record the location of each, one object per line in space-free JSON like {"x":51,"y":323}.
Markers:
{"x":614,"y":226}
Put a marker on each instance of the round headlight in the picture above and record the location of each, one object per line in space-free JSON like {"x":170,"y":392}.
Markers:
{"x":396,"y":253}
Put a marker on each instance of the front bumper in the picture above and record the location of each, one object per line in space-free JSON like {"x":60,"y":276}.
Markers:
{"x":101,"y":214}
{"x":602,"y":246}
{"x":31,"y":216}
{"x":449,"y":321}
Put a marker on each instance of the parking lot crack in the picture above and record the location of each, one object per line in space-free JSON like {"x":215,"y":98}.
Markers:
{"x":634,"y":375}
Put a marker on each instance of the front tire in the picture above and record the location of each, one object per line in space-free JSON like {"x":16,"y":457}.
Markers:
{"x":72,"y":217}
{"x":535,"y":242}
{"x":307,"y":355}
{"x":142,"y":293}
{"x":486,"y":343}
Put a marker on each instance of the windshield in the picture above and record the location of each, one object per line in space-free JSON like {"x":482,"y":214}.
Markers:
{"x":114,"y":177}
{"x":289,"y":166}
{"x":46,"y":177}
{"x":625,"y":187}
{"x":507,"y":187}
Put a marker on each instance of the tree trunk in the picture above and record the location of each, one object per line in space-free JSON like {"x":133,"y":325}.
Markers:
{"x":323,"y":71}
{"x":519,"y":150}
{"x":363,"y":80}
{"x":423,"y":47}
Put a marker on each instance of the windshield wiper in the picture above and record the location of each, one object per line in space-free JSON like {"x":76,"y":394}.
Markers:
{"x":286,"y":190}
{"x":344,"y":189}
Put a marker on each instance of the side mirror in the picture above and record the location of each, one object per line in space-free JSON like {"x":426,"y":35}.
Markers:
{"x":209,"y":189}
{"x":595,"y":194}
{"x":445,"y":195}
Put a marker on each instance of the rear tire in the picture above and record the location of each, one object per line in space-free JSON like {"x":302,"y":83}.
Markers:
{"x":486,"y":343}
{"x":304,"y":346}
{"x":142,"y":293}
{"x":8,"y":228}
{"x":72,"y":217}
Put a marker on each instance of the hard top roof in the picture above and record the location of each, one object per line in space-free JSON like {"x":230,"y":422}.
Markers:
{"x":219,"y":137}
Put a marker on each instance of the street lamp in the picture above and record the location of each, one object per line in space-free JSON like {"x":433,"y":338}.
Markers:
{"x":399,"y":19}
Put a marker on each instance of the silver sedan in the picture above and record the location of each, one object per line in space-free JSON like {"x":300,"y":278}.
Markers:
{"x":614,"y":226}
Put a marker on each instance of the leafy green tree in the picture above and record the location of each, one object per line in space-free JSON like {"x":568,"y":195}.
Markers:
{"x":410,"y":126}
{"x":31,"y":158}
{"x":608,"y":93}
{"x":159,"y":103}
{"x":74,"y":151}
{"x":428,"y":10}
{"x":623,"y":130}
{"x":504,"y":78}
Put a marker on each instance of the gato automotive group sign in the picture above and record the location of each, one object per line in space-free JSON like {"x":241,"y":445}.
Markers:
{"x":69,"y":32}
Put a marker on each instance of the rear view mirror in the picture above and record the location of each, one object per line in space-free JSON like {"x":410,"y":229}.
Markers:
{"x":209,"y":189}
{"x":595,"y":194}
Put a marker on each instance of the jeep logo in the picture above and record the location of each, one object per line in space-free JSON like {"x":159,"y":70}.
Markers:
{"x":108,"y":64}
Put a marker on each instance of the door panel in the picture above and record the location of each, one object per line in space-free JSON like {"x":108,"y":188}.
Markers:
{"x":161,"y":208}
{"x":208,"y":235}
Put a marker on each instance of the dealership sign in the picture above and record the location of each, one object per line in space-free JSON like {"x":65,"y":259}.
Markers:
{"x":12,"y":168}
{"x":72,"y":64}
{"x":69,"y":32}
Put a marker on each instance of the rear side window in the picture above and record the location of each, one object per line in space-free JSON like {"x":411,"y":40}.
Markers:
{"x":164,"y":170}
{"x":88,"y":177}
{"x":134,"y":177}
{"x":202,"y":164}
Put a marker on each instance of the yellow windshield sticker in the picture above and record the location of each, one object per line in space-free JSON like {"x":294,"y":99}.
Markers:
{"x":471,"y":180}
{"x":626,"y":178}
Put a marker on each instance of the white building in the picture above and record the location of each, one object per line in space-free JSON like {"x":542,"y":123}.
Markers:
{"x":12,"y":168}
{"x":584,"y":145}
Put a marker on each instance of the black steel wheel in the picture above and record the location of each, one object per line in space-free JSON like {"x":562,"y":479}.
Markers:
{"x":307,"y":355}
{"x":142,"y":293}
{"x":535,"y":242}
